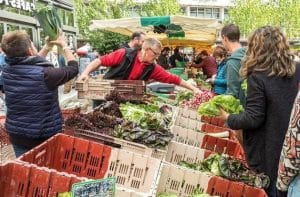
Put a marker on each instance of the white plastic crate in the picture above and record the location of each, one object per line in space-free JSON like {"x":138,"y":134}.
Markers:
{"x":133,"y":171}
{"x":192,"y":137}
{"x":182,"y":152}
{"x":181,"y":181}
{"x":188,"y":119}
{"x":187,"y":136}
{"x":119,"y":143}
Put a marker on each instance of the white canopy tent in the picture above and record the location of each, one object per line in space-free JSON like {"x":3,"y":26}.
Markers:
{"x":198,"y":32}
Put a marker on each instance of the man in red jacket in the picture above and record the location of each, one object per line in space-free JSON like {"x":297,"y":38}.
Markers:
{"x":130,"y":64}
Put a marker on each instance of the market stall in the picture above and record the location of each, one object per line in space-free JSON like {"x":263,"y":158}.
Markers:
{"x":170,"y":30}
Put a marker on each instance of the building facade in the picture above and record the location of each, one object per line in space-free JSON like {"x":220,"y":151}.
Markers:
{"x":216,"y":9}
{"x":18,"y":14}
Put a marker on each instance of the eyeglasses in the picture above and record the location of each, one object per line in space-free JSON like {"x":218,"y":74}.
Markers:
{"x":155,"y":53}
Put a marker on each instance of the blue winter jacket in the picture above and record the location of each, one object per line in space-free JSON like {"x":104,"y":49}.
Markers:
{"x":32,"y":109}
{"x":220,"y":83}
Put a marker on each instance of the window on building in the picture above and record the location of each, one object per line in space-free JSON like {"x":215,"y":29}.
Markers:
{"x":205,"y":12}
{"x":193,"y":11}
{"x":66,"y":16}
{"x":29,"y":31}
{"x":201,"y":12}
{"x":69,"y":18}
{"x":42,"y":38}
{"x":226,"y":15}
{"x":61,"y":14}
{"x":11,"y":27}
{"x":216,"y":13}
{"x":208,"y":12}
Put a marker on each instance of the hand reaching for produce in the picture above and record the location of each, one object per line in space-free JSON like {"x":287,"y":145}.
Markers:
{"x":197,"y":91}
{"x":223,"y":114}
{"x":210,"y":80}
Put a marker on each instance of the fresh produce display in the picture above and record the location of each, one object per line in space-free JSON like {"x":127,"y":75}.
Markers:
{"x":147,"y":116}
{"x":181,"y":96}
{"x":145,"y":124}
{"x":111,"y":108}
{"x":226,"y":102}
{"x":94,"y":121}
{"x":49,"y":20}
{"x":158,"y":138}
{"x":116,"y":97}
{"x":197,"y":99}
{"x":229,"y":168}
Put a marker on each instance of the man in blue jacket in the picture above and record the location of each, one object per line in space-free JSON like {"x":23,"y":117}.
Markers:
{"x":231,"y":41}
{"x":31,"y":88}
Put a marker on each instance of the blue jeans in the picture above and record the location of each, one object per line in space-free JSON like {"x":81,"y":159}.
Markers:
{"x":294,"y":187}
{"x":20,"y":150}
{"x":271,"y":191}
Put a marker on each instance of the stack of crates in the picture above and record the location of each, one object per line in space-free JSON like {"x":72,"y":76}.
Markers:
{"x":134,"y":173}
{"x":98,"y":89}
{"x":117,"y":142}
{"x":189,"y":129}
{"x":182,"y":182}
{"x":23,"y":179}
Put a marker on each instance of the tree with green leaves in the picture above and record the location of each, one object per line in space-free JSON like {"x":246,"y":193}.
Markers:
{"x":100,"y":40}
{"x":251,"y":14}
{"x":160,"y":8}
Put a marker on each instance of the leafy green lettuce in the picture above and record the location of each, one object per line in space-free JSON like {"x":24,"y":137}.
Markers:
{"x":227,"y":102}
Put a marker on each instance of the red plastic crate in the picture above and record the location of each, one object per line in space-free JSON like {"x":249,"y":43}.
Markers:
{"x":220,"y":145}
{"x":72,"y":155}
{"x":210,"y":128}
{"x":213,"y":120}
{"x":22,"y":180}
{"x":222,"y":187}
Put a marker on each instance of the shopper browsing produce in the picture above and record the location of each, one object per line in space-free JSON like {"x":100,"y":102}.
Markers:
{"x":130,"y":64}
{"x":31,"y":87}
{"x":271,"y":90}
{"x":219,"y":80}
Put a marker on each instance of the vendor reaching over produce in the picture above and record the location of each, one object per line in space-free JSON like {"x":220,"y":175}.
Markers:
{"x":31,"y":87}
{"x":131,"y":64}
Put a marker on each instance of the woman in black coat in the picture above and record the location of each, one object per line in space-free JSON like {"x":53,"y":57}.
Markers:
{"x":272,"y":87}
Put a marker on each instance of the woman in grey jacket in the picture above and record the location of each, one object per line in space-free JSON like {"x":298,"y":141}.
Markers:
{"x":272,"y":88}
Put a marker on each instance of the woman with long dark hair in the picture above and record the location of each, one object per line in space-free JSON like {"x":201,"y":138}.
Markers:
{"x":272,"y":87}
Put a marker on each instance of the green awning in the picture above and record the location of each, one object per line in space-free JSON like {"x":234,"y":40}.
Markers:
{"x":155,"y":21}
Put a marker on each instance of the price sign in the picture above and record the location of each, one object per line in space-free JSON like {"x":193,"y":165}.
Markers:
{"x":95,"y":188}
